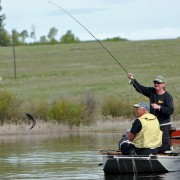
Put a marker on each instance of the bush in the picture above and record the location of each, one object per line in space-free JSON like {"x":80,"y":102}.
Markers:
{"x":115,"y":107}
{"x":61,"y":110}
{"x":40,"y":108}
{"x":8,"y":106}
{"x":74,"y":113}
{"x":66,"y":112}
{"x":89,"y":103}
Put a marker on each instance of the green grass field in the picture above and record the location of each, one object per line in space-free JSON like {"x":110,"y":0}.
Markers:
{"x":71,"y":70}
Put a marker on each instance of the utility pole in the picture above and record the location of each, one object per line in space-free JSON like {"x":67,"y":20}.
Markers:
{"x":14,"y":53}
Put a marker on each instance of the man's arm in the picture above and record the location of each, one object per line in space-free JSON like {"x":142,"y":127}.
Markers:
{"x":141,"y":89}
{"x":136,"y":128}
{"x":131,"y":136}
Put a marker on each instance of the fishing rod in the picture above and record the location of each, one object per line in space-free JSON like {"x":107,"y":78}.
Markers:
{"x":90,"y":34}
{"x":96,"y":40}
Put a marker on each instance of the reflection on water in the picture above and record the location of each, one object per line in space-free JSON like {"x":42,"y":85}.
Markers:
{"x":60,"y":156}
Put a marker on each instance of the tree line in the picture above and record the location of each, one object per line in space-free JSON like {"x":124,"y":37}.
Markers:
{"x":20,"y":38}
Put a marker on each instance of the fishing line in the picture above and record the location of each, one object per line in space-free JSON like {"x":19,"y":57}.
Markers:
{"x":90,"y":34}
{"x":130,"y":100}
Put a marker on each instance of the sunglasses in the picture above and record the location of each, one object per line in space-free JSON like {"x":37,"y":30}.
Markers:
{"x":156,"y":82}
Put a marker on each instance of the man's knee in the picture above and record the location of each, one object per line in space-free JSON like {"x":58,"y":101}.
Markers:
{"x":127,"y":148}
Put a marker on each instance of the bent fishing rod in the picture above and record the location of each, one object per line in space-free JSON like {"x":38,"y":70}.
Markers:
{"x":90,"y":34}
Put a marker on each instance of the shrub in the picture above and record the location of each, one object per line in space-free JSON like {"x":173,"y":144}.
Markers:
{"x":74,"y":112}
{"x":40,"y":108}
{"x":66,"y":112}
{"x":8,"y":106}
{"x":89,"y":103}
{"x":115,"y":107}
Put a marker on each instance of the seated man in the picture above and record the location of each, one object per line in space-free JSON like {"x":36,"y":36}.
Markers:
{"x":145,"y":136}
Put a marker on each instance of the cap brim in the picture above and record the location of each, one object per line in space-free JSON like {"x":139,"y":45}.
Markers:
{"x":158,"y":80}
{"x":136,"y":105}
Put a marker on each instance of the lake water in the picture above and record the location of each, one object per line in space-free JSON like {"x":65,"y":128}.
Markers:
{"x":65,"y":156}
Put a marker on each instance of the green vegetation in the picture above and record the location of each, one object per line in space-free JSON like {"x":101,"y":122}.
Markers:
{"x":115,"y":107}
{"x":7,"y":104}
{"x":48,"y":76}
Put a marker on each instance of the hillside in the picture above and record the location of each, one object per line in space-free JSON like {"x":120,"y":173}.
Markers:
{"x":71,"y":70}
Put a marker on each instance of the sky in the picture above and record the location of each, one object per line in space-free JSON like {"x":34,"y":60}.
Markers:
{"x":130,"y":19}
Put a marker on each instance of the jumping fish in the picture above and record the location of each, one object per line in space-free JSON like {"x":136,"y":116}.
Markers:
{"x":31,"y":117}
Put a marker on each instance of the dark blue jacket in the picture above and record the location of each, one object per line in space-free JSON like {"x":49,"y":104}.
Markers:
{"x":165,"y":101}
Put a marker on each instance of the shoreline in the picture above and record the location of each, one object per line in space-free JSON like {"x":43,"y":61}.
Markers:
{"x":109,"y":125}
{"x":48,"y":127}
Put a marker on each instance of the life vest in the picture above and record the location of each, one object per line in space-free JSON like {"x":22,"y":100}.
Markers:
{"x":150,"y":135}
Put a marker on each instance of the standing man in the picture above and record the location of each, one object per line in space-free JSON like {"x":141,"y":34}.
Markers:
{"x":145,"y":136}
{"x":161,"y":105}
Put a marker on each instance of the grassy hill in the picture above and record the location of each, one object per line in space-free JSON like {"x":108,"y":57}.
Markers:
{"x":73,"y":69}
